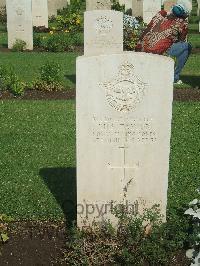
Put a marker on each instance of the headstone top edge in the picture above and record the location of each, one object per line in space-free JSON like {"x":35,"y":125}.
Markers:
{"x":103,"y":11}
{"x":140,"y":54}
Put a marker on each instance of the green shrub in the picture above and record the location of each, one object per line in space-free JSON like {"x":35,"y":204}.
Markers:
{"x":49,"y":79}
{"x":116,"y":6}
{"x":3,"y":15}
{"x":17,"y":87}
{"x":19,"y":46}
{"x":136,"y":240}
{"x":132,"y":35}
{"x":71,"y":22}
{"x":10,"y":81}
{"x":37,"y":40}
{"x":71,"y":17}
{"x":4,"y":78}
{"x":50,"y":72}
{"x":4,"y":220}
{"x":56,"y":43}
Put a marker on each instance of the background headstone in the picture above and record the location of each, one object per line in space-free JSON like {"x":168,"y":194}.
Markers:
{"x":103,"y":32}
{"x":2,"y":3}
{"x":122,"y":2}
{"x":40,"y":13}
{"x":123,"y":132}
{"x":62,"y":3}
{"x":168,"y":4}
{"x":52,"y":8}
{"x":19,"y":22}
{"x":137,"y":8}
{"x":128,"y":4}
{"x":98,"y":4}
{"x":198,"y":7}
{"x":150,"y":8}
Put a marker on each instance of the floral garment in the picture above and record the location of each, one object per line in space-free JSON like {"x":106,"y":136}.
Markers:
{"x":162,"y":32}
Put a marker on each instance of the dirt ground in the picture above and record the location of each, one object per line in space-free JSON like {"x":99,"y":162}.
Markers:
{"x":184,"y":95}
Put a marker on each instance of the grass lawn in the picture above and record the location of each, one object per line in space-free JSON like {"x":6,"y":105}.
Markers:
{"x":37,"y":141}
{"x":27,"y":65}
{"x":38,"y":157}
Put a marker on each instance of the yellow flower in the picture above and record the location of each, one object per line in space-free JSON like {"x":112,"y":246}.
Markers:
{"x":66,"y":31}
{"x":51,"y":32}
{"x":78,"y":21}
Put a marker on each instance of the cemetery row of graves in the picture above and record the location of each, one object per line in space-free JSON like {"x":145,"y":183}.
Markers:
{"x":39,"y":158}
{"x":64,"y":33}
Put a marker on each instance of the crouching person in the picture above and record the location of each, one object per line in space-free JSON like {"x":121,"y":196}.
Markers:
{"x":166,"y":34}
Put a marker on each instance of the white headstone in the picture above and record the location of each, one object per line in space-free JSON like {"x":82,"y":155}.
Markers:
{"x":150,"y":8}
{"x":62,"y":3}
{"x":198,"y":8}
{"x":2,"y":3}
{"x":122,"y":2}
{"x":128,"y":4}
{"x":137,"y":8}
{"x":124,"y":111}
{"x":168,"y":4}
{"x":103,"y":32}
{"x":98,"y":4}
{"x":40,"y":13}
{"x":52,"y":8}
{"x":19,"y":22}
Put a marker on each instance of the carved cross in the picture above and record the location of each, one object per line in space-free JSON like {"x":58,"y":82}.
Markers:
{"x":125,"y":180}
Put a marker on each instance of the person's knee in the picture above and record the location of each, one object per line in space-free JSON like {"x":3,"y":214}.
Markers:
{"x":187,"y":46}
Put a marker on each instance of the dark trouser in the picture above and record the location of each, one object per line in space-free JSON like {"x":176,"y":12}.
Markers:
{"x":180,"y":50}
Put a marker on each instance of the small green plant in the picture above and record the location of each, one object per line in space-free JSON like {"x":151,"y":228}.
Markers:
{"x":4,"y":78}
{"x":136,"y":240}
{"x":132,"y":31}
{"x":50,"y":78}
{"x":19,"y":46}
{"x":71,"y":17}
{"x":4,"y":220}
{"x":50,"y":72}
{"x":194,"y":215}
{"x":17,"y":87}
{"x":10,"y":81}
{"x":37,"y":40}
{"x":56,"y":43}
{"x":116,"y":6}
{"x":3,"y":15}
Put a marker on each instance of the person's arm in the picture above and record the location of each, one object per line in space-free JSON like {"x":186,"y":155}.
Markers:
{"x":183,"y":32}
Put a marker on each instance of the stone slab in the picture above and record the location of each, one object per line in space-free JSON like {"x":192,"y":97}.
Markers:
{"x":168,"y":5}
{"x":98,"y":4}
{"x":123,"y":121}
{"x":2,"y":3}
{"x":62,"y":3}
{"x":103,"y":32}
{"x":52,"y":8}
{"x":150,"y":8}
{"x":128,"y":4}
{"x":19,"y":22}
{"x":137,"y":8}
{"x":122,"y":2}
{"x":40,"y":13}
{"x":198,"y":8}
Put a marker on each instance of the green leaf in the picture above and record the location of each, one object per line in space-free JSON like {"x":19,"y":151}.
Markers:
{"x":4,"y":237}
